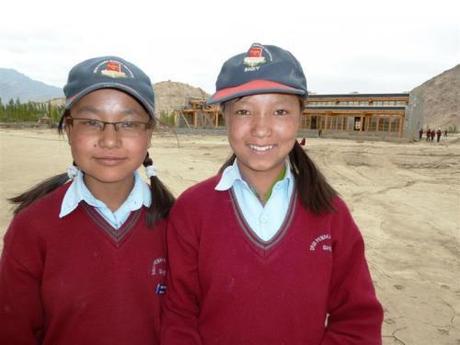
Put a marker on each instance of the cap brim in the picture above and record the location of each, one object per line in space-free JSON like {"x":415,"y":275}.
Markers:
{"x":252,"y":88}
{"x":71,"y":100}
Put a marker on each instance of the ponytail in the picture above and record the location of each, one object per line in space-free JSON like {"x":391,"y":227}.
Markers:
{"x":38,"y":191}
{"x":162,"y":198}
{"x":227,"y":163}
{"x":316,"y":194}
{"x":43,"y":188}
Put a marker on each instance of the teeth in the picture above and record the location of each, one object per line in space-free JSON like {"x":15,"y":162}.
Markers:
{"x":261,"y":148}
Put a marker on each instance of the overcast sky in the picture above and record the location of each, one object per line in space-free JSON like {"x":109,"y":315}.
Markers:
{"x":343,"y":46}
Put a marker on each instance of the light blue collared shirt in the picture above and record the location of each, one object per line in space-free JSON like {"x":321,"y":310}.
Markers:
{"x":138,"y":197}
{"x":264,"y":220}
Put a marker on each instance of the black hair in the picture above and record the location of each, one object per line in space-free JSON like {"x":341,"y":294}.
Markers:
{"x":162,"y":199}
{"x":315,"y":193}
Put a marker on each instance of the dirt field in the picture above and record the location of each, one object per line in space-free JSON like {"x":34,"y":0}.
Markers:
{"x":405,"y":198}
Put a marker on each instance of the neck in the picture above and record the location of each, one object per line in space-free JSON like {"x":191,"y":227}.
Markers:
{"x":111,"y":194}
{"x":262,"y":184}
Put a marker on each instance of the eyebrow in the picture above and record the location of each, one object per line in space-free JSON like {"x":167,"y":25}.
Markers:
{"x":87,"y":109}
{"x":130,"y":111}
{"x":94,"y":110}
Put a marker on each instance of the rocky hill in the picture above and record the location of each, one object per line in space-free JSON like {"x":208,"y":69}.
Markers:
{"x":171,"y":95}
{"x":15,"y":85}
{"x":438,"y":99}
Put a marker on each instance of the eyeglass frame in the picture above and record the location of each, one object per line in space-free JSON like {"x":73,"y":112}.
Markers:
{"x":116,"y":124}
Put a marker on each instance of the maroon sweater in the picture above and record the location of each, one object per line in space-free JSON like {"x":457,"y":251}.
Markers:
{"x":308,"y":285}
{"x":78,"y":281}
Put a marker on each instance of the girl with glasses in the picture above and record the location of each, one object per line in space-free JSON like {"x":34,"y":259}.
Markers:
{"x":84,"y":260}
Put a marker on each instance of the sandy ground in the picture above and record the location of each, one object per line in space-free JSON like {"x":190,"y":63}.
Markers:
{"x":404,"y":197}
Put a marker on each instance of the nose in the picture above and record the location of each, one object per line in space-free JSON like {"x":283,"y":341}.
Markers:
{"x":261,"y":125}
{"x":109,"y":137}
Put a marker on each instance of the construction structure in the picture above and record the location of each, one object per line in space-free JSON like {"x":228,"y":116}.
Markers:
{"x":380,"y":115}
{"x":197,"y":114}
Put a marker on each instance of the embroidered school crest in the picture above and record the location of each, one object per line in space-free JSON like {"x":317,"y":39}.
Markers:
{"x":322,"y":242}
{"x":113,"y":69}
{"x":254,"y":57}
{"x":159,"y":266}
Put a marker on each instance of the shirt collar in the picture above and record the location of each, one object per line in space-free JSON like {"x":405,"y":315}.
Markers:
{"x":78,"y":191}
{"x":232,"y":174}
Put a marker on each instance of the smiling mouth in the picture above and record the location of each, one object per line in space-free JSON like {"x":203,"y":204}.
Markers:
{"x":261,"y":148}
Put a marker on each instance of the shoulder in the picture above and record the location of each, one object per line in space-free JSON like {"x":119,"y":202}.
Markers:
{"x":39,"y":215}
{"x":202,"y":190}
{"x":339,"y":220}
{"x":340,"y":215}
{"x":159,"y":226}
{"x":198,"y":197}
{"x":48,"y":204}
{"x":343,"y":225}
{"x":339,"y":209}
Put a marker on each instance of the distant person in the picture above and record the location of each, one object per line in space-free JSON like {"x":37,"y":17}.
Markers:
{"x":420,"y":134}
{"x":320,"y":132}
{"x":432,"y":134}
{"x":438,"y":135}
{"x":428,"y":134}
{"x":445,"y":133}
{"x":83,"y":260}
{"x":266,"y":252}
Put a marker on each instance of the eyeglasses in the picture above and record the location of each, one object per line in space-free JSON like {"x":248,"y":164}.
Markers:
{"x":96,"y":127}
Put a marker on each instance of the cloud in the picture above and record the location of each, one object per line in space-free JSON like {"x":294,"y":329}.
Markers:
{"x":343,"y":46}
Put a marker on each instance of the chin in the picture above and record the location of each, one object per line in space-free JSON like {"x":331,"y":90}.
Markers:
{"x":263,"y":168}
{"x":111,"y":178}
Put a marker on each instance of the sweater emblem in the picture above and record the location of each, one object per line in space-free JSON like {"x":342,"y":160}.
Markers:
{"x":159,"y":266}
{"x":318,"y":243}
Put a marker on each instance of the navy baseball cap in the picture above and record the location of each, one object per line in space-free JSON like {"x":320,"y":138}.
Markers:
{"x":109,"y":72}
{"x":262,"y":69}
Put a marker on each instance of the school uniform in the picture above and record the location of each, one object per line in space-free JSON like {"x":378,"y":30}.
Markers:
{"x":70,"y":275}
{"x":307,"y":282}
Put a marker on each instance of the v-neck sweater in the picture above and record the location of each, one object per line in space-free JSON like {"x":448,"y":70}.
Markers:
{"x":308,"y":285}
{"x":77,"y":280}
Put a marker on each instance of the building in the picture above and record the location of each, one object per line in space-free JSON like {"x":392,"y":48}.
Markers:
{"x":372,"y":114}
{"x":381,"y":115}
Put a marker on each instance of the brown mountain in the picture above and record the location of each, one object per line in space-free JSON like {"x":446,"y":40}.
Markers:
{"x":170,"y":96}
{"x":438,"y":100}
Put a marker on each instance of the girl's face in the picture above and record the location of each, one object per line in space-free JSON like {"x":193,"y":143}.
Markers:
{"x":262,"y":130}
{"x":108,"y":156}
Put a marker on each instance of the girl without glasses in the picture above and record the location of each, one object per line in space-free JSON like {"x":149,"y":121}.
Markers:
{"x":266,"y":252}
{"x":83,"y":260}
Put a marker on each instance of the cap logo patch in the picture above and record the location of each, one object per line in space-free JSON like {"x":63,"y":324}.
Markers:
{"x":254,"y":59}
{"x":113,"y":69}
